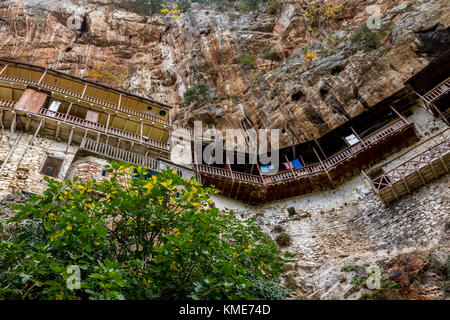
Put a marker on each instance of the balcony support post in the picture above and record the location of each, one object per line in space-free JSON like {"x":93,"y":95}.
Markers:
{"x":70,"y":139}
{"x":3,"y":70}
{"x":68,"y":110}
{"x":323,"y":166}
{"x":13,"y":125}
{"x":37,"y":131}
{"x":42,"y":77}
{"x":120,"y":100}
{"x":401,"y":117}
{"x":107,"y":123}
{"x":142,"y":130}
{"x":58,"y":129}
{"x":373,"y":187}
{"x":84,"y":90}
{"x":359,"y":138}
{"x":28,"y":123}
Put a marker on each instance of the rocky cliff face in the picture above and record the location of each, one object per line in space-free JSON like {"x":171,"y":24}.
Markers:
{"x":308,"y":77}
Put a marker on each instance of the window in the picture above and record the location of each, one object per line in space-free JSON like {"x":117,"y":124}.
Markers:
{"x":352,"y":139}
{"x":162,"y":113}
{"x":52,"y":166}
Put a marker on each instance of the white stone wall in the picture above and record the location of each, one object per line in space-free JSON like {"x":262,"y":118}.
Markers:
{"x":22,"y":171}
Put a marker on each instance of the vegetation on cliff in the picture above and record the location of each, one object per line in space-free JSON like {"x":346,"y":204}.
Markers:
{"x":135,"y":236}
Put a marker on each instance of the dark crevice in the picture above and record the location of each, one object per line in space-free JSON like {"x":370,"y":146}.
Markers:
{"x":336,"y":70}
{"x":297,"y":96}
{"x":359,"y":98}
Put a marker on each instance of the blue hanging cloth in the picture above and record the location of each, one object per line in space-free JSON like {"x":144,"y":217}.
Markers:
{"x":297,"y":164}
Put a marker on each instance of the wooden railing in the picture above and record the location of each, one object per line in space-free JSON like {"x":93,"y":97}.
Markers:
{"x":133,"y":158}
{"x":411,"y":166}
{"x":119,"y":154}
{"x":87,"y":98}
{"x":437,"y":91}
{"x":7,"y":103}
{"x":326,"y":165}
{"x":103,"y":128}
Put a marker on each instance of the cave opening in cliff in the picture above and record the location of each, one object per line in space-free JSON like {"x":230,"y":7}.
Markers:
{"x":84,"y":25}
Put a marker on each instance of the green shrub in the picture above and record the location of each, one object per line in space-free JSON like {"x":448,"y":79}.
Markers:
{"x":273,"y":7}
{"x":143,"y":7}
{"x":247,"y":61}
{"x":135,"y":240}
{"x":365,"y":38}
{"x":197,"y":94}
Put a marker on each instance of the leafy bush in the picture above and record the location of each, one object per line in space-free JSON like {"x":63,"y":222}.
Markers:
{"x":365,"y":38}
{"x":133,"y":238}
{"x":273,"y":7}
{"x":247,"y":61}
{"x":143,"y":7}
{"x":197,"y":94}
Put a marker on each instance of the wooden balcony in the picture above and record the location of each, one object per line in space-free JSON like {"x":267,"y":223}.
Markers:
{"x":7,"y":103}
{"x":413,"y":173}
{"x":119,"y":154}
{"x":66,"y":118}
{"x":437,"y":92}
{"x":314,"y":177}
{"x":86,"y":98}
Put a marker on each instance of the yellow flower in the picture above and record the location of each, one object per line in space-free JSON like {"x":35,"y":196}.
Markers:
{"x":68,"y":228}
{"x":148,"y":186}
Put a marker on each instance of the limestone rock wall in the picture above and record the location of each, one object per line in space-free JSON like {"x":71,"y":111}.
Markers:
{"x":161,"y":57}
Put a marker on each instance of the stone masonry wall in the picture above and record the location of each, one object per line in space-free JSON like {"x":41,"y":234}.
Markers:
{"x":22,"y":171}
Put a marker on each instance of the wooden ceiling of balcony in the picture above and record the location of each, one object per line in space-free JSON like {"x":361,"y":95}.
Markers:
{"x":89,"y":88}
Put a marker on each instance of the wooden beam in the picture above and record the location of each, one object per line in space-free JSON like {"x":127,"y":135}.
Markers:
{"x":42,"y":77}
{"x":13,"y":125}
{"x":397,"y":113}
{"x":37,"y":131}
{"x":28,"y":123}
{"x":68,"y":110}
{"x":70,"y":138}
{"x":357,"y":135}
{"x":107,"y":123}
{"x":84,"y":90}
{"x":58,"y":128}
{"x":3,"y":70}
{"x":406,"y":185}
{"x":421,"y":177}
{"x":440,"y":114}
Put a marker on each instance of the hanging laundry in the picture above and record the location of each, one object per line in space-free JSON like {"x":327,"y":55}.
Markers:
{"x":288,"y":165}
{"x":265,"y":169}
{"x":297,"y":164}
